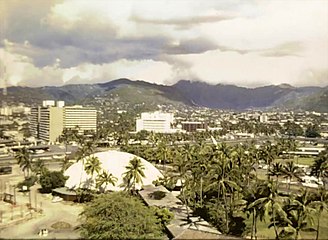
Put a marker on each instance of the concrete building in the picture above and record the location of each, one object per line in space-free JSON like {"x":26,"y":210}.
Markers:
{"x":6,"y":111}
{"x":48,"y":122}
{"x":82,"y":118}
{"x":155,"y":121}
{"x":193,"y":126}
{"x":263,"y":118}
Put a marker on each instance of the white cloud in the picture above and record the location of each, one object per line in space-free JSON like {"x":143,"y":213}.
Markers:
{"x":260,"y":42}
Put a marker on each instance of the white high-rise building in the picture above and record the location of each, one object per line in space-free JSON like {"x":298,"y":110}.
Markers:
{"x":81,"y":118}
{"x":48,"y":122}
{"x":155,"y":121}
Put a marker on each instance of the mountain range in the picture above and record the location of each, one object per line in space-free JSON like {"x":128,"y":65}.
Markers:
{"x":192,"y":93}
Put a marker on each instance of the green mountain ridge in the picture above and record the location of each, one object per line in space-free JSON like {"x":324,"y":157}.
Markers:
{"x":184,"y":92}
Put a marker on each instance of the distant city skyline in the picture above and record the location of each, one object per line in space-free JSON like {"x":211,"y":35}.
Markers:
{"x":245,"y":43}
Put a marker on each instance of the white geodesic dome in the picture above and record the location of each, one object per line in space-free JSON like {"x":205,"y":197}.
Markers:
{"x":114,"y":162}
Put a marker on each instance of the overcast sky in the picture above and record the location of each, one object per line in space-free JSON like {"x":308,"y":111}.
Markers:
{"x":247,"y":43}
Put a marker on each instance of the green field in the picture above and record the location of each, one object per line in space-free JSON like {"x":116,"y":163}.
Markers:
{"x":298,"y":160}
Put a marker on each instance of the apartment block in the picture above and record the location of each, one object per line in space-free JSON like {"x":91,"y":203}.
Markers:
{"x":81,"y":118}
{"x":48,"y":122}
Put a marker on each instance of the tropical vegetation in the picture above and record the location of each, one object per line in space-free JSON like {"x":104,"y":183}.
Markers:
{"x":119,"y":215}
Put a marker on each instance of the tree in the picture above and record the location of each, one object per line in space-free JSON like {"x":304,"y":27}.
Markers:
{"x":312,"y":131}
{"x":38,"y":167}
{"x":276,"y":170}
{"x":270,"y":205}
{"x":163,"y":153}
{"x":180,"y":165}
{"x":268,"y":153}
{"x":92,"y":165}
{"x":320,"y":167}
{"x":87,"y":148}
{"x":51,"y":180}
{"x":119,"y":216}
{"x":24,"y":160}
{"x":224,"y":173}
{"x":134,"y":174}
{"x":290,"y":171}
{"x":105,"y":178}
{"x":300,"y":215}
{"x":252,"y":194}
{"x":321,"y":204}
{"x":292,"y":129}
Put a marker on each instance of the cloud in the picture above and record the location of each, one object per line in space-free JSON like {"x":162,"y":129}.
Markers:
{"x":236,"y":42}
{"x":185,"y":22}
{"x":282,"y":50}
{"x":189,"y":46}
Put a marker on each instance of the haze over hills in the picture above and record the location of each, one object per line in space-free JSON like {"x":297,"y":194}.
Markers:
{"x":183,"y":92}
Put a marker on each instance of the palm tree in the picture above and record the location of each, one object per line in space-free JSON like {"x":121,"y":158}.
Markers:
{"x":290,"y":171}
{"x":92,"y":166}
{"x":300,"y":215}
{"x":276,"y":170}
{"x":321,"y":205}
{"x":105,"y":178}
{"x":134,"y":174}
{"x":86,"y":149}
{"x":24,"y":160}
{"x":181,"y":166}
{"x":252,"y":194}
{"x":268,"y":154}
{"x":38,"y":167}
{"x":224,"y":173}
{"x":320,"y":167}
{"x":270,"y":204}
{"x":163,"y":152}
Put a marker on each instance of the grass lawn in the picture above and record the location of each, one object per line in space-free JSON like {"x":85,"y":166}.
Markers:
{"x":298,"y":160}
{"x":263,"y":232}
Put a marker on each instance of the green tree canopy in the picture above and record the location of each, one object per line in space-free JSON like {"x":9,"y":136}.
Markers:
{"x":119,"y":215}
{"x":312,"y":131}
{"x":50,"y":180}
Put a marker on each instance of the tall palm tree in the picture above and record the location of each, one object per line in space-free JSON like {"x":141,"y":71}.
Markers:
{"x":224,"y":173}
{"x":290,"y":171}
{"x":277,"y":170}
{"x":251,"y":194}
{"x":38,"y":167}
{"x":92,"y":166}
{"x":300,"y":215}
{"x":134,"y":174}
{"x":24,"y":160}
{"x":268,"y":153}
{"x":270,"y":204}
{"x":105,"y":178}
{"x":181,"y":166}
{"x":163,"y":152}
{"x":320,"y":167}
{"x":321,"y":204}
{"x":86,"y":149}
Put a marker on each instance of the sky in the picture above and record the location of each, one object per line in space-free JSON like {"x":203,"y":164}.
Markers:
{"x":246,"y":43}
